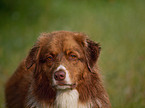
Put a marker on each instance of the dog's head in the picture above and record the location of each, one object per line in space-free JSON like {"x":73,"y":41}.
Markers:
{"x":61,"y":59}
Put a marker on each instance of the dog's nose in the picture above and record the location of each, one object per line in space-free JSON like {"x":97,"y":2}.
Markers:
{"x":59,"y":75}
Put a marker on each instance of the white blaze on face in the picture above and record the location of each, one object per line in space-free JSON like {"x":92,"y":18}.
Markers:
{"x":67,"y":78}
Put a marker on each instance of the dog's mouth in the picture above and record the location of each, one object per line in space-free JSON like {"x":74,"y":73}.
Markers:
{"x":61,"y":85}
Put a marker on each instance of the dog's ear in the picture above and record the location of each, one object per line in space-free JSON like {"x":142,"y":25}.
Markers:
{"x":32,"y":56}
{"x":92,"y":51}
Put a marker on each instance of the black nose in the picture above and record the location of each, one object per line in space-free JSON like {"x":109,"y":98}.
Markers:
{"x":59,"y":75}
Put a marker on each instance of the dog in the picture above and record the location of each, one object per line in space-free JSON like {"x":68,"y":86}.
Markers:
{"x":60,"y":71}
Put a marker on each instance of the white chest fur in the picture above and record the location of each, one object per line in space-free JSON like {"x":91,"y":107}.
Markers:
{"x":67,"y":99}
{"x":64,"y":99}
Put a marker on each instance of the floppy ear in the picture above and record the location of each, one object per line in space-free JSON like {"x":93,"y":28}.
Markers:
{"x":91,"y":49}
{"x":92,"y":52}
{"x":32,"y":57}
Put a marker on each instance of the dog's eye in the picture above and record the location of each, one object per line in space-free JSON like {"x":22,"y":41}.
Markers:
{"x":50,"y":58}
{"x":72,"y":57}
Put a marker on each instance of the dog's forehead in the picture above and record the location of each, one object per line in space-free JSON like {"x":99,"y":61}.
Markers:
{"x":61,"y":42}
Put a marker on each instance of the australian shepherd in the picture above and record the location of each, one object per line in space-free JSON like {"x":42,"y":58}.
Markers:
{"x":60,"y":71}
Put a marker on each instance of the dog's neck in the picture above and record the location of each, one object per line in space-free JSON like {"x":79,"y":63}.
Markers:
{"x":64,"y":99}
{"x":67,"y":99}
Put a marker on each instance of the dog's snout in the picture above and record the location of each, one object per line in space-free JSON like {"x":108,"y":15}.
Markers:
{"x":59,"y":75}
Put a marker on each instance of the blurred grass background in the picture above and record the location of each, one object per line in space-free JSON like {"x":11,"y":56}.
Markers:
{"x":119,"y":25}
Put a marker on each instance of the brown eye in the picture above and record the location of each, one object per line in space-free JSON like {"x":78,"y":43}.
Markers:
{"x":72,"y":57}
{"x":50,"y":58}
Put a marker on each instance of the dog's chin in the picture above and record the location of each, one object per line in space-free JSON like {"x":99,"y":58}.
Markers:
{"x":65,"y":86}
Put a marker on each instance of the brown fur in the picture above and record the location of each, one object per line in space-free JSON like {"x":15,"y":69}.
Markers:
{"x":36,"y":70}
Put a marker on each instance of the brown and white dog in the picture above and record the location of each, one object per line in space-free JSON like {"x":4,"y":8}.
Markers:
{"x":59,"y":72}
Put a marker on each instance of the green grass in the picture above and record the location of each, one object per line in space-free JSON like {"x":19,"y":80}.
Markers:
{"x":118,"y":25}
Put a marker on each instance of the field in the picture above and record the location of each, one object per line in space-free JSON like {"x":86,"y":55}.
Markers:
{"x":118,"y":25}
